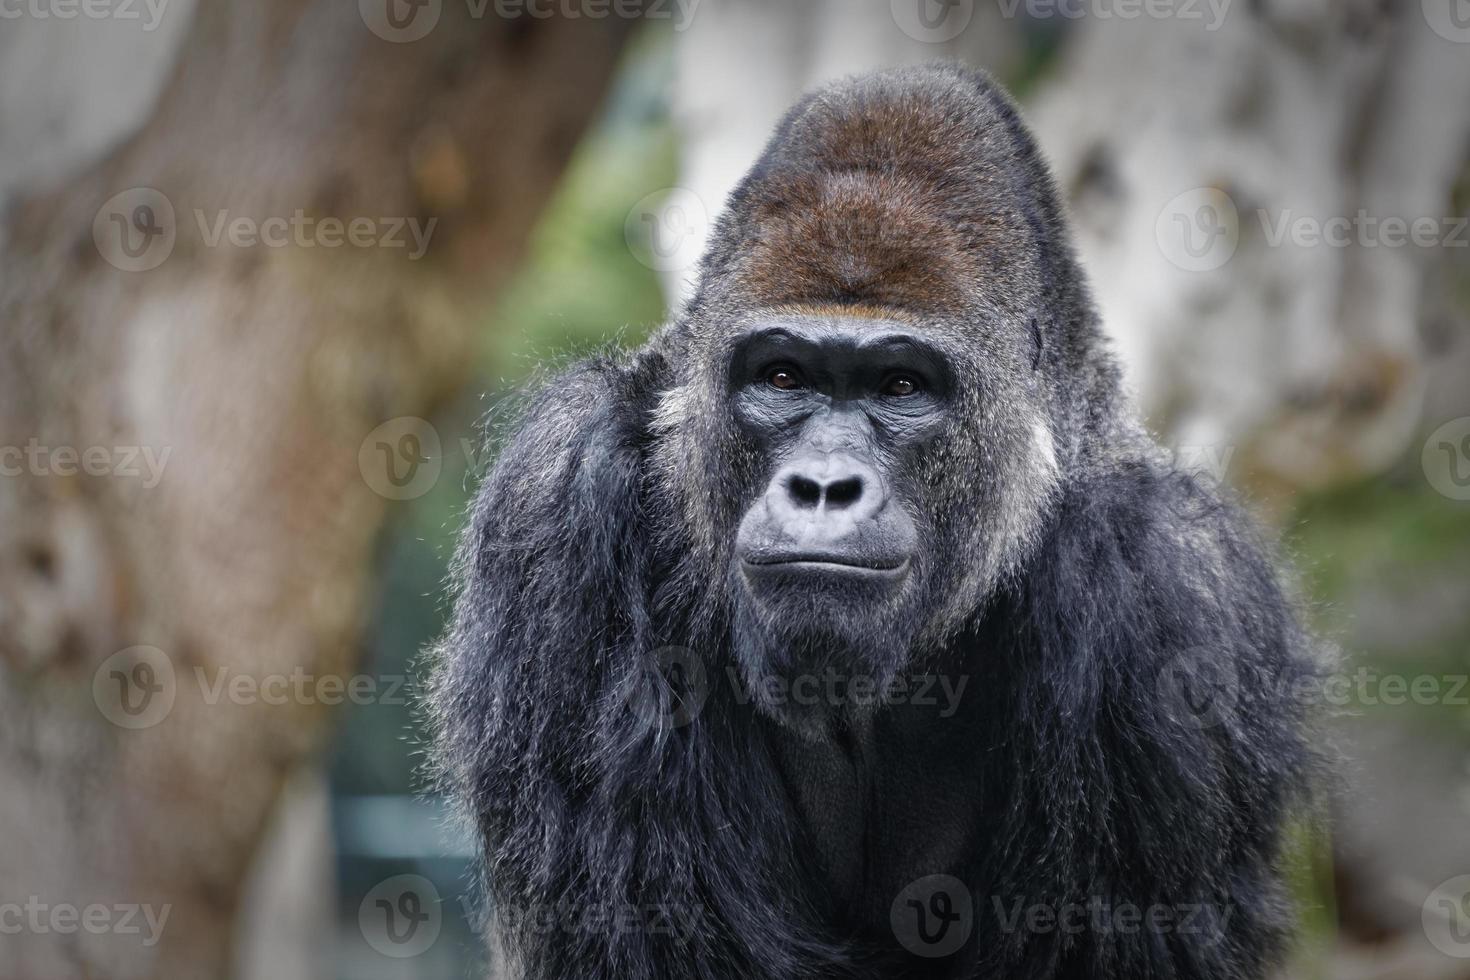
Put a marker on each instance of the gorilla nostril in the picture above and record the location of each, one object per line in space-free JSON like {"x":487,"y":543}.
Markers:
{"x":844,"y":493}
{"x":804,"y":492}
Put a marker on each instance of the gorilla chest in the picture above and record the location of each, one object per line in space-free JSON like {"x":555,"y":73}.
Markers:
{"x":878,"y":807}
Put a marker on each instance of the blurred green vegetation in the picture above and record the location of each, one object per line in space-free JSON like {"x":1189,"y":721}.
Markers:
{"x":581,"y":284}
{"x":1386,"y":566}
{"x":1396,"y":520}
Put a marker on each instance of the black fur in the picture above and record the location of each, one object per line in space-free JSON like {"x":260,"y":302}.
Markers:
{"x":1067,"y":569}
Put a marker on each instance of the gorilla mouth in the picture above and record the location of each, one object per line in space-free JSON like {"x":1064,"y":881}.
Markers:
{"x":825,"y":561}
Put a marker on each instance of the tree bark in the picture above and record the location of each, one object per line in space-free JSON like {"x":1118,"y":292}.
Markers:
{"x":252,"y":374}
{"x":1301,"y":349}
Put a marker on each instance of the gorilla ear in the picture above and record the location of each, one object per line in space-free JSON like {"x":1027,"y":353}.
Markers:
{"x":1036,"y":340}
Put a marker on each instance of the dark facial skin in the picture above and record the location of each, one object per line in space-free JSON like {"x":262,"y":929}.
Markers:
{"x":835,"y":409}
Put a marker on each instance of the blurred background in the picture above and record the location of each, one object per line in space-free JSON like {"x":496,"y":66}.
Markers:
{"x":265,"y":265}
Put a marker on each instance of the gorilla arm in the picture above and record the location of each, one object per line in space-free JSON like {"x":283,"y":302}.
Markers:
{"x":613,"y":847}
{"x":1137,"y":793}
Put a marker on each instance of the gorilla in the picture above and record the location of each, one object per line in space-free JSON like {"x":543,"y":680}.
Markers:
{"x":853,"y":627}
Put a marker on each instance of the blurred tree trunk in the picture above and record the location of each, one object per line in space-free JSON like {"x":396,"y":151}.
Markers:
{"x":236,"y":542}
{"x":1302,"y":343}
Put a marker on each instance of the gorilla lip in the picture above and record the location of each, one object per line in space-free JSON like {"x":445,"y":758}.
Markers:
{"x":821,"y":562}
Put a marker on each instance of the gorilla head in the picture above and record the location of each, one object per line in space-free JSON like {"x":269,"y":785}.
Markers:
{"x":878,"y":361}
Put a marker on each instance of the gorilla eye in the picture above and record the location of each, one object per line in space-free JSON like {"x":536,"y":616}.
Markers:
{"x":784,"y":378}
{"x":900,"y":385}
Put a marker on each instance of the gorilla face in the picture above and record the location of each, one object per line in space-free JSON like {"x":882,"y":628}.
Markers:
{"x":827,"y":566}
{"x":837,"y":410}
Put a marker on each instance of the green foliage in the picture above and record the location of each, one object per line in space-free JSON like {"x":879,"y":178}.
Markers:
{"x":1396,"y":520}
{"x":582,"y":284}
{"x":1387,"y":564}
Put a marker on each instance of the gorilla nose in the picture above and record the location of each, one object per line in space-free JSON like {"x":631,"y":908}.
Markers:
{"x":829,"y":485}
{"x":825,"y":515}
{"x":806,"y":492}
